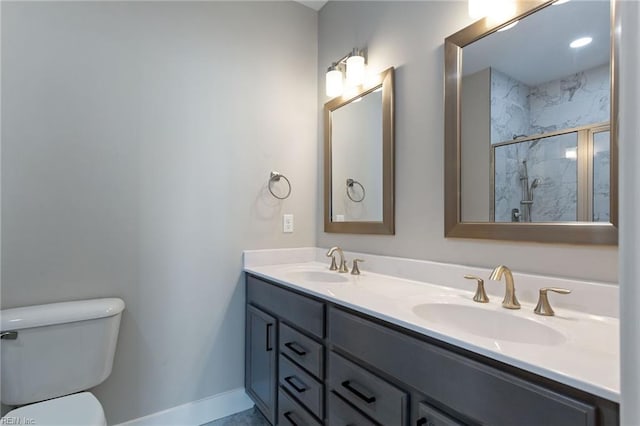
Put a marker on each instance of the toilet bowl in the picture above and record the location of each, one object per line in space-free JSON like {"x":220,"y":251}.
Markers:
{"x":80,"y":409}
{"x":51,"y":354}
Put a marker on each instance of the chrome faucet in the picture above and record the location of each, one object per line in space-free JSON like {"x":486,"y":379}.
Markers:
{"x":509,"y":301}
{"x":343,"y":263}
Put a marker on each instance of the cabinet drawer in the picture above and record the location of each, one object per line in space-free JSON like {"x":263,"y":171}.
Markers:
{"x":474,"y":390}
{"x":290,"y":413}
{"x":342,"y":414}
{"x":429,"y":416}
{"x":306,"y":313}
{"x":305,"y":351}
{"x":302,"y":386}
{"x":375,"y":397}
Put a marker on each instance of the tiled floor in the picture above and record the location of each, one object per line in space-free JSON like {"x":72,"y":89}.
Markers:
{"x":251,"y":417}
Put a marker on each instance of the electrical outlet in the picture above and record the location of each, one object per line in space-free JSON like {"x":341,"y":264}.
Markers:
{"x":287,"y":223}
{"x":339,"y":218}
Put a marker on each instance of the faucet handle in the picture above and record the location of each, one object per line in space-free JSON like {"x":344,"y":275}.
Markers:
{"x":343,"y":266}
{"x":333,"y":266}
{"x":543,"y":307}
{"x":481,"y":295}
{"x":356,"y":270}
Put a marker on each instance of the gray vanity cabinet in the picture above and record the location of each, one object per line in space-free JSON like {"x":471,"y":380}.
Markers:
{"x":339,"y":367}
{"x":298,"y":354}
{"x":461,"y":387}
{"x":260,"y":361}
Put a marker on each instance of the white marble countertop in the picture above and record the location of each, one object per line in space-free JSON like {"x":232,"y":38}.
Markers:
{"x":586,"y":357}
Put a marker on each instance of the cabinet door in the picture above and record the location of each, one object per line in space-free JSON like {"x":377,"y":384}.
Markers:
{"x":260,"y":368}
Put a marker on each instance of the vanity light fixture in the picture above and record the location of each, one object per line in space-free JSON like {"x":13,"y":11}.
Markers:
{"x":355,"y":68}
{"x":580,"y":42}
{"x":353,"y":65}
{"x":334,"y":81}
{"x":476,"y":9}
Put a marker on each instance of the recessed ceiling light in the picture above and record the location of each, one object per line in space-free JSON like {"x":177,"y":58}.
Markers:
{"x":580,"y":42}
{"x":508,"y":27}
{"x":560,"y":2}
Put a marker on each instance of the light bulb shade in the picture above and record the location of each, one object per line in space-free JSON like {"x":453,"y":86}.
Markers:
{"x":476,"y":9}
{"x":333,"y":83}
{"x":355,"y":70}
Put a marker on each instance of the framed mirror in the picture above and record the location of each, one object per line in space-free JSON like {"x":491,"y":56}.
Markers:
{"x":359,"y":159}
{"x":531,"y":126}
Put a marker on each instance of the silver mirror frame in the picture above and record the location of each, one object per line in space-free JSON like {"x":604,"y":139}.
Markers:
{"x":556,"y":232}
{"x":387,"y":225}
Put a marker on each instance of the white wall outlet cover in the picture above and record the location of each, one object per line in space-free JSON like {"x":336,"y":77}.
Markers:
{"x":287,"y":223}
{"x":339,"y":218}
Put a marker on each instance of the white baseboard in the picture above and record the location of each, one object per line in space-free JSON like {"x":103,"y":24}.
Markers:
{"x":197,"y":412}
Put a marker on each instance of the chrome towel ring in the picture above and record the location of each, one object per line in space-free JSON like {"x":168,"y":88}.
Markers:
{"x":350,"y":183}
{"x":275,"y":177}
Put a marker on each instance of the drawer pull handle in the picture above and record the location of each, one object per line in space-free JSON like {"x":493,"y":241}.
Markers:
{"x":292,"y":347}
{"x":293,"y":385}
{"x":348,"y":386}
{"x":288,"y":416}
{"x":269,"y":347}
{"x":9,"y":335}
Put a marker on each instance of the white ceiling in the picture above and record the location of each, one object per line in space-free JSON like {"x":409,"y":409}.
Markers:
{"x":537,"y":49}
{"x":313,"y":4}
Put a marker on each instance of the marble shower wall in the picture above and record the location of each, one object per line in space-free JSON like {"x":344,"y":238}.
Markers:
{"x":576,"y":100}
{"x":510,"y":114}
{"x":555,"y":197}
{"x":601,"y":158}
{"x":517,"y":109}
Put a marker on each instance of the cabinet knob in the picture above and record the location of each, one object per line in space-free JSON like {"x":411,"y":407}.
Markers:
{"x":544,"y":307}
{"x":481,"y":295}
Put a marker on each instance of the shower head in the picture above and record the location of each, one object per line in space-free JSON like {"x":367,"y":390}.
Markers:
{"x":533,"y":186}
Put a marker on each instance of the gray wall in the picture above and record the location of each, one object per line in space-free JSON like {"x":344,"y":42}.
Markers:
{"x":137,"y":140}
{"x":409,"y":36}
{"x":475,"y":139}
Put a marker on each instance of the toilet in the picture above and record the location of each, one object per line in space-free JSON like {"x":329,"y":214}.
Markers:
{"x":51,"y":354}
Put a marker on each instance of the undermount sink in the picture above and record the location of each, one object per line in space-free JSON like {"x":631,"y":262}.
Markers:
{"x":318,"y":276}
{"x":480,"y":321}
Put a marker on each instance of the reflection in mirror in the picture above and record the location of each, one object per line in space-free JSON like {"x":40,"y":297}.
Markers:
{"x":531,"y":125}
{"x":356,"y":158}
{"x":359,"y":159}
{"x":535,"y":116}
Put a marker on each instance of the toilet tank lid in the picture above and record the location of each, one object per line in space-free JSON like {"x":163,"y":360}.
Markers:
{"x":59,"y":313}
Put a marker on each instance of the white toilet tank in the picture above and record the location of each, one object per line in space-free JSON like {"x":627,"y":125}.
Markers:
{"x":60,"y":348}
